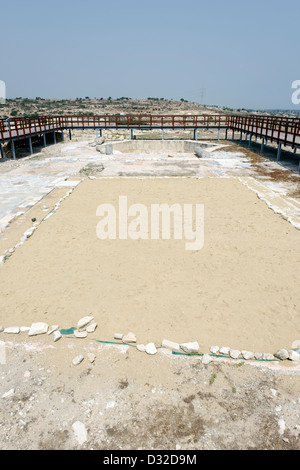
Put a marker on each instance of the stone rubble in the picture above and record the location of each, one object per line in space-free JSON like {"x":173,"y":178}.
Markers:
{"x":294,"y":355}
{"x":281,"y":424}
{"x":77,"y":360}
{"x":52,"y":329}
{"x":206,"y":359}
{"x":80,"y":334}
{"x":170,"y":345}
{"x":118,"y":336}
{"x":91,"y":357}
{"x":91,"y":327}
{"x":84,"y":322}
{"x":87,"y":325}
{"x":24,"y":329}
{"x":12,"y":330}
{"x":150,"y":348}
{"x":190,"y":347}
{"x":38,"y":328}
{"x":129,"y":338}
{"x":80,"y":432}
{"x":247,"y":355}
{"x":9,"y":393}
{"x":29,"y":232}
{"x":234,"y":353}
{"x":56,"y":335}
{"x":282,"y":354}
{"x":268,"y":357}
{"x":224,"y":350}
{"x":258,"y":356}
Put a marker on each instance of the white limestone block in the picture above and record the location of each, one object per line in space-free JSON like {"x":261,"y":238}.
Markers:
{"x":38,"y":328}
{"x":170,"y":345}
{"x":150,"y":348}
{"x":190,"y":347}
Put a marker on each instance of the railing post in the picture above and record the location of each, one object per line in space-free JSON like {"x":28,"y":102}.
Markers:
{"x":13,"y":149}
{"x":35,"y":128}
{"x":279,"y":152}
{"x":30,"y":145}
{"x":250,"y":140}
{"x":294,"y":134}
{"x":262,"y":146}
{"x":16,"y":127}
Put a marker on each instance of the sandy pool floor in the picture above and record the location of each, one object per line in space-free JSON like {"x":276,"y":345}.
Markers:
{"x":240,"y":290}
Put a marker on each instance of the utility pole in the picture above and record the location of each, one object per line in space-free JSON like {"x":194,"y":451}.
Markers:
{"x":202,"y":92}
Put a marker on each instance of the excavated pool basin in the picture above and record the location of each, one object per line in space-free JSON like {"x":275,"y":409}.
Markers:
{"x":152,"y":146}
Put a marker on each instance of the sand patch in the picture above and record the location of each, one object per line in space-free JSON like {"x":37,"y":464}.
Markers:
{"x":240,"y":290}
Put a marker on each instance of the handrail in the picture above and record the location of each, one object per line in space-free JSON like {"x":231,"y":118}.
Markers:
{"x":277,"y":129}
{"x":285,"y":130}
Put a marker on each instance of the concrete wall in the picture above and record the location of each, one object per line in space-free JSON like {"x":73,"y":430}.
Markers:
{"x":150,"y":146}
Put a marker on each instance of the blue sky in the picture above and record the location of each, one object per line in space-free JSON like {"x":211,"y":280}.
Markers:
{"x":242,"y":53}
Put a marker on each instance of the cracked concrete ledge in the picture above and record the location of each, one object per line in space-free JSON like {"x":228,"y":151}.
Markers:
{"x":288,"y":208}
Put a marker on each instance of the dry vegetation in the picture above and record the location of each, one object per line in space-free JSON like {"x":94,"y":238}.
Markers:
{"x":25,"y":107}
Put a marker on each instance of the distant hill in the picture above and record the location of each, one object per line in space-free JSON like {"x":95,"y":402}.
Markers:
{"x":26,"y":107}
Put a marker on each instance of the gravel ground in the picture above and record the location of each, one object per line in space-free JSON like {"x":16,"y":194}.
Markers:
{"x":127,"y":400}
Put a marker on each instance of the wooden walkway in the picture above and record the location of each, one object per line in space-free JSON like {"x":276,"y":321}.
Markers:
{"x":280,"y":130}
